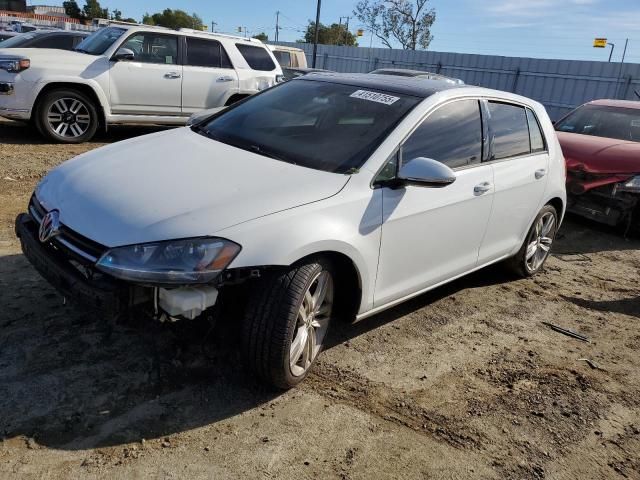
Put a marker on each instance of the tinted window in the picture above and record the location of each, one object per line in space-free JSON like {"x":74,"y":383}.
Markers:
{"x":150,"y":47}
{"x":19,"y":40}
{"x":206,"y":53}
{"x":61,"y":42}
{"x":452,"y":135}
{"x":509,"y":131}
{"x":321,"y":125}
{"x":535,"y":132}
{"x":601,"y":121}
{"x":256,"y":57}
{"x":284,"y":58}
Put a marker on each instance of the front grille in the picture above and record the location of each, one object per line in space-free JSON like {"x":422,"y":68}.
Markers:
{"x":82,"y":248}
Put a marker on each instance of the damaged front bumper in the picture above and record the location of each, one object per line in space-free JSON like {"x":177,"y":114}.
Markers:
{"x":63,"y":262}
{"x":602,"y":198}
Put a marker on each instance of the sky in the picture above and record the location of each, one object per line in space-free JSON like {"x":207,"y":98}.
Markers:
{"x":528,"y":28}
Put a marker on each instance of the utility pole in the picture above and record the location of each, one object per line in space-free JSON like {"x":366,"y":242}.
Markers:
{"x":277,"y":25}
{"x":315,"y":41}
{"x":624,"y":54}
{"x":213,"y":27}
{"x":346,"y":35}
{"x":613,"y":45}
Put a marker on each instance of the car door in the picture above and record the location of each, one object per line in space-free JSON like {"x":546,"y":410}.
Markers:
{"x":151,"y":83}
{"x":430,"y":235}
{"x":520,"y":162}
{"x":208,"y":75}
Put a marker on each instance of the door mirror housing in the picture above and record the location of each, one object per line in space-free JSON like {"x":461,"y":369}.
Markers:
{"x":124,"y":54}
{"x":426,"y":172}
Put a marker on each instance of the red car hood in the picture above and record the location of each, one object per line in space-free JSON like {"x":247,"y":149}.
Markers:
{"x":600,"y":155}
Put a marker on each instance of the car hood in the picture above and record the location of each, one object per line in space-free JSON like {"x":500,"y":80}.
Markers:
{"x":175,"y":184}
{"x":38,"y":55}
{"x":600,"y":155}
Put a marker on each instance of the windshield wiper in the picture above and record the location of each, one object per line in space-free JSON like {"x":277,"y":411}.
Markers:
{"x":268,"y":153}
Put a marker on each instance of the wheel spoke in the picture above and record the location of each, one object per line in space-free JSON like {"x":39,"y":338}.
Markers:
{"x":54,"y":117}
{"x":76,"y":130}
{"x":83,"y":118}
{"x":61,"y":106}
{"x":549,"y":225}
{"x":75,"y":106}
{"x":321,"y":291}
{"x":531,"y":250}
{"x":62,"y":129}
{"x":298,"y":346}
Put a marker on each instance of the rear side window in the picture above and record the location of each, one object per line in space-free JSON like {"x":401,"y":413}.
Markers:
{"x":284,"y":58}
{"x":256,"y":57}
{"x":535,"y":133}
{"x":61,"y":42}
{"x":451,"y":135}
{"x":206,"y":53}
{"x":509,"y":131}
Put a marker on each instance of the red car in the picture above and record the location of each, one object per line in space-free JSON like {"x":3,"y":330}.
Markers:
{"x":601,"y":144}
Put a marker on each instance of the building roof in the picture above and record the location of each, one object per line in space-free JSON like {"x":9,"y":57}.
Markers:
{"x":418,"y":87}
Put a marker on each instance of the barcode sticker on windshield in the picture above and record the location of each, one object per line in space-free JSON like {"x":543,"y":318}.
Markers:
{"x":375,"y":97}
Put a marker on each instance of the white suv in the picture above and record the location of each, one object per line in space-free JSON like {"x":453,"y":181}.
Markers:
{"x":130,"y":74}
{"x":328,"y":196}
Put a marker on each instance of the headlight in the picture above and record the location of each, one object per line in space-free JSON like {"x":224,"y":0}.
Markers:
{"x":176,"y":262}
{"x":632,"y":185}
{"x":15,"y":66}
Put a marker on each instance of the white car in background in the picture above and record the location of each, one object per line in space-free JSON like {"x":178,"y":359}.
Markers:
{"x":130,"y":74}
{"x":328,"y":196}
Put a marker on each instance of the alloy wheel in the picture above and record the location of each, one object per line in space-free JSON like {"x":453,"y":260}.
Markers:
{"x":68,"y":117}
{"x":540,"y":241}
{"x":312,"y":323}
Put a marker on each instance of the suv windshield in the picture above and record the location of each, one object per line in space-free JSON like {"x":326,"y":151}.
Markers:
{"x":601,"y":121}
{"x":98,"y":42}
{"x":316,"y":124}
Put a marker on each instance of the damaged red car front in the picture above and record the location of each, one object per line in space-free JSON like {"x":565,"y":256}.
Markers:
{"x":601,"y":144}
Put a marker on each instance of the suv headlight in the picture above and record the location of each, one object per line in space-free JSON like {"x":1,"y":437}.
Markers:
{"x":632,"y":185}
{"x":176,"y":262}
{"x":15,"y":66}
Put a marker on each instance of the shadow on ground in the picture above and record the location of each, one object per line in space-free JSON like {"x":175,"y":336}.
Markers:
{"x":73,"y":381}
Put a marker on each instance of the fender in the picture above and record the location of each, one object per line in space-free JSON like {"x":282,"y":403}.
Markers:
{"x":69,"y":80}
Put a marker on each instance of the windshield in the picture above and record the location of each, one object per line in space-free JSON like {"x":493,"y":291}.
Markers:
{"x":98,"y":42}
{"x":18,"y":40}
{"x":600,"y":121}
{"x":316,"y":124}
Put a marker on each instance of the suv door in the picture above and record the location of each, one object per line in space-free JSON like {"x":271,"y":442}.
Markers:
{"x":520,"y":163}
{"x":430,"y":235}
{"x":208,"y":75}
{"x":151,"y":83}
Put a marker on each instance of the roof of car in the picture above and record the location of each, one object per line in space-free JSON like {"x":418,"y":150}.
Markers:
{"x":60,"y":32}
{"x":418,"y":87}
{"x":616,"y":103}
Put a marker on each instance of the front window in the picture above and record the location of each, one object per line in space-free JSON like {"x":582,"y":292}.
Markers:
{"x":100,"y":41}
{"x":151,"y":47}
{"x":315,"y":124}
{"x":601,"y":121}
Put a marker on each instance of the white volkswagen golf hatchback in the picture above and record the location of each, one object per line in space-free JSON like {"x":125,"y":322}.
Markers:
{"x":328,"y":196}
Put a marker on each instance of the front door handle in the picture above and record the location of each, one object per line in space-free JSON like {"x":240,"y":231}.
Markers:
{"x":224,"y":78}
{"x":482,"y":188}
{"x":540,"y":173}
{"x":172,"y":75}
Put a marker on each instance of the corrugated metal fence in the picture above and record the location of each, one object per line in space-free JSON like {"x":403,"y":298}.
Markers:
{"x":558,"y":84}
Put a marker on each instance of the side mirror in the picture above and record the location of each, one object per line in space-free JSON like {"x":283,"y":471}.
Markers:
{"x":124,"y":54}
{"x":426,"y":172}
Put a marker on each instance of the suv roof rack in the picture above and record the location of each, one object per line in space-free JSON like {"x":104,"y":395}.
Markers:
{"x":135,"y":24}
{"x":216,"y":34}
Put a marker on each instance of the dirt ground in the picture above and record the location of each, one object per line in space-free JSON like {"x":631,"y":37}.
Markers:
{"x":463,"y":382}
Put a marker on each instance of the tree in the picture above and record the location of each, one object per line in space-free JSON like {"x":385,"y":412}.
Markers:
{"x":92,"y":9}
{"x":403,"y":21}
{"x":72,"y":9}
{"x":116,"y":15}
{"x":262,"y":37}
{"x":174,"y":19}
{"x":336,"y":34}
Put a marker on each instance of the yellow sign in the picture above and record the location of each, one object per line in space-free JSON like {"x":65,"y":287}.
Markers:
{"x":360,"y":32}
{"x":600,"y":43}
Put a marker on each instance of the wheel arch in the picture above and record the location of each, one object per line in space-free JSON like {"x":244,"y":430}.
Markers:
{"x":558,"y":204}
{"x":84,"y":88}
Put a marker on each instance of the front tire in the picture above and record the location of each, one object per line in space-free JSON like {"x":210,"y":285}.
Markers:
{"x":536,"y":248}
{"x":67,"y":116}
{"x":287,"y":321}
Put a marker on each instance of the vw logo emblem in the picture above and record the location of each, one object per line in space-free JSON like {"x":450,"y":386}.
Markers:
{"x":50,"y":226}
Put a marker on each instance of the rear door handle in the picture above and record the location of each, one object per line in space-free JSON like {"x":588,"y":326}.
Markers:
{"x":224,"y":78}
{"x":172,"y":75}
{"x":482,"y":188}
{"x":540,"y":173}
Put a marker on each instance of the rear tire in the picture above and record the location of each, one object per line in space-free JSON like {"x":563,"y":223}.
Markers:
{"x":67,"y":116}
{"x":537,"y":245}
{"x":287,"y":321}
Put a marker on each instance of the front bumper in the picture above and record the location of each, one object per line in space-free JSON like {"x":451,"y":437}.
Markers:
{"x":100,"y":293}
{"x":604,"y":205}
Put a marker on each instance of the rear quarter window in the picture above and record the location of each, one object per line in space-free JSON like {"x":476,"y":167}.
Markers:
{"x":509,"y":131}
{"x":257,"y":57}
